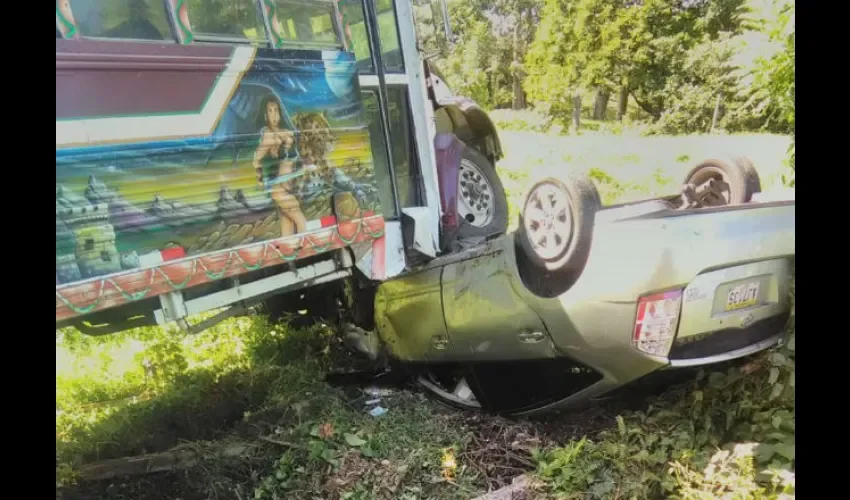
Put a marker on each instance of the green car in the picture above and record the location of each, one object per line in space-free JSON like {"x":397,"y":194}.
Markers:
{"x":585,"y":299}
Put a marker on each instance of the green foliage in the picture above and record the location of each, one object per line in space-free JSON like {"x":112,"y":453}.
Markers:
{"x":363,"y":456}
{"x":474,"y":63}
{"x":148,"y":389}
{"x":691,"y":95}
{"x":488,"y":56}
{"x":728,"y":434}
{"x":672,"y":58}
{"x":789,"y":178}
{"x":771,"y":94}
{"x":684,"y":66}
{"x":612,"y":190}
{"x":773,"y":88}
{"x":123,"y":392}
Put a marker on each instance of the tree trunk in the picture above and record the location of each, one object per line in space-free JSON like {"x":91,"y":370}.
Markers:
{"x":519,"y":96}
{"x":600,"y":104}
{"x":716,"y":116}
{"x":623,"y":104}
{"x":518,"y":101}
{"x":491,"y":87}
{"x":576,"y":111}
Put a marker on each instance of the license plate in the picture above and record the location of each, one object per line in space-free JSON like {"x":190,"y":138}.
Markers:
{"x":742,"y":296}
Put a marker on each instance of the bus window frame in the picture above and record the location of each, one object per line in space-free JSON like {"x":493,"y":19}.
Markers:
{"x":172,"y":5}
{"x":336,"y":21}
{"x":370,"y":71}
{"x":78,"y":35}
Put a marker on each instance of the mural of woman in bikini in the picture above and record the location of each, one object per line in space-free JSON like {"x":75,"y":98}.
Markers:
{"x":275,"y":162}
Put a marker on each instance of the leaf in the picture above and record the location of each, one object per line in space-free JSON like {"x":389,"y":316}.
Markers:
{"x":621,"y":425}
{"x":774,"y":375}
{"x":354,"y":440}
{"x":788,"y":451}
{"x":641,"y":456}
{"x":777,"y":359}
{"x":764,"y":452}
{"x":329,"y":456}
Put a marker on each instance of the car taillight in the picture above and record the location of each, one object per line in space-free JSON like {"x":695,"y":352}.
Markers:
{"x":656,"y":322}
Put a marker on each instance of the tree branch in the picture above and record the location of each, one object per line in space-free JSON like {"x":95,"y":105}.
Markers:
{"x":654,"y":113}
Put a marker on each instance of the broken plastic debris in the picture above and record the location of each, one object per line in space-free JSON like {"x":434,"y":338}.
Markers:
{"x":373,"y":401}
{"x":377,"y":411}
{"x":377,"y":392}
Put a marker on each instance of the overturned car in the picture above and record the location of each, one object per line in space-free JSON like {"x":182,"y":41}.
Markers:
{"x":583,"y":299}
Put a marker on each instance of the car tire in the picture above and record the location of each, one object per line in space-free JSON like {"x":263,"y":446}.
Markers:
{"x":554,"y":244}
{"x":481,"y":200}
{"x":735,"y":171}
{"x":432,"y":382}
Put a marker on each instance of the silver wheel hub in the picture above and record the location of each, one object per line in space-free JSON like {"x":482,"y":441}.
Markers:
{"x":548,"y":221}
{"x":476,"y":203}
{"x":714,"y":192}
{"x":712,"y":188}
{"x":458,"y":392}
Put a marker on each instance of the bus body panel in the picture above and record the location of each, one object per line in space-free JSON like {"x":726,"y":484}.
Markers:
{"x":158,"y":151}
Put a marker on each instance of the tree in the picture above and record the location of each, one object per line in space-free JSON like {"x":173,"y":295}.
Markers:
{"x":516,"y":19}
{"x":771,"y":93}
{"x":774,"y":87}
{"x":488,"y":59}
{"x":644,"y":49}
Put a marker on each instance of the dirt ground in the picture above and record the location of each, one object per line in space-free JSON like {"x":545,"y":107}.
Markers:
{"x":498,"y":449}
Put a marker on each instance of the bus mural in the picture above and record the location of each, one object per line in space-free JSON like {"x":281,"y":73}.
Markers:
{"x":277,"y":142}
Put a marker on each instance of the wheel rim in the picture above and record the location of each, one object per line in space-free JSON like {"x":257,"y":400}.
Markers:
{"x":547,"y":220}
{"x":711,"y":187}
{"x":455,"y":389}
{"x":476,"y":203}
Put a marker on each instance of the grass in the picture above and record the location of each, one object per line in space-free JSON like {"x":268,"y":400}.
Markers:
{"x":624,"y":167}
{"x":149,"y":390}
{"x":725,"y":432}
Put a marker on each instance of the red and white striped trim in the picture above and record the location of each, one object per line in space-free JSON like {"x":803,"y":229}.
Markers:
{"x":329,"y":221}
{"x":321,"y":223}
{"x":155,"y":258}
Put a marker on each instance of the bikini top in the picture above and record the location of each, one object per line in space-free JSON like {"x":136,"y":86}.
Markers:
{"x":288,"y":154}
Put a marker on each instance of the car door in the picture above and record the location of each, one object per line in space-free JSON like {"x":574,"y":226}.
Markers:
{"x":486,"y":317}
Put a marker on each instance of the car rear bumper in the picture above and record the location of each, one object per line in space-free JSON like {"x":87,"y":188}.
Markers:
{"x":728,"y":344}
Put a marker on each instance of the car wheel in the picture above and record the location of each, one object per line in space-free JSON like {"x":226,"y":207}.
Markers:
{"x":449,"y":387}
{"x":724,"y":181}
{"x":482,"y":204}
{"x":555,"y":232}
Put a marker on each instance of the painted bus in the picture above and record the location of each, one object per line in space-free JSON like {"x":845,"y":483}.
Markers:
{"x":235,"y":156}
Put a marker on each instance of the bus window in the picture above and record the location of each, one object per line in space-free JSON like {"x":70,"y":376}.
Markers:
{"x":129,"y":19}
{"x":401,"y":152}
{"x":308,"y":24}
{"x":226,"y":19}
{"x":352,"y":11}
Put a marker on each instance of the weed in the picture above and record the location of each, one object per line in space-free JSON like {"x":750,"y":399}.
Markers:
{"x":725,"y":435}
